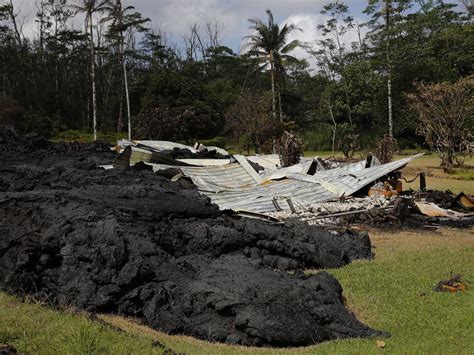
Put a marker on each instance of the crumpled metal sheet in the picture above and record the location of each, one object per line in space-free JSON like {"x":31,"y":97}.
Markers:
{"x":345,"y":182}
{"x":348,"y":168}
{"x":237,"y":186}
{"x":215,"y":179}
{"x":156,"y":145}
{"x":160,"y":146}
{"x":432,"y":210}
{"x":350,"y":183}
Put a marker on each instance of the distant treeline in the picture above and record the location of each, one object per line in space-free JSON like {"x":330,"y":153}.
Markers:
{"x":191,"y":90}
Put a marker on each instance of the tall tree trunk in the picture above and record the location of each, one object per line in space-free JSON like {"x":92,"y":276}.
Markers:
{"x":390,"y":119}
{"x":346,"y":91}
{"x":389,"y":69}
{"x":124,"y":65}
{"x":334,"y":127}
{"x":349,"y":110}
{"x":15,"y":25}
{"x":258,"y":73}
{"x":94,"y":99}
{"x":56,"y":67}
{"x":280,"y":111}
{"x":272,"y":72}
{"x":120,"y":116}
{"x":125,"y":80}
{"x":4,"y":79}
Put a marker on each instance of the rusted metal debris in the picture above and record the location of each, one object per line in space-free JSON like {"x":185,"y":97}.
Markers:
{"x":465,"y":201}
{"x":432,"y":210}
{"x":454,"y":284}
{"x":304,"y":190}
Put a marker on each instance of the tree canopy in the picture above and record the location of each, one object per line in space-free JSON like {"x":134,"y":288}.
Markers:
{"x":194,"y":85}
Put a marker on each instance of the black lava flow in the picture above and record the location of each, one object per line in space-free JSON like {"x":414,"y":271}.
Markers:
{"x":134,"y":243}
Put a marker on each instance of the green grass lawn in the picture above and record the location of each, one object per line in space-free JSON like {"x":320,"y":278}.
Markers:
{"x":35,"y":329}
{"x":393,"y":292}
{"x":436,"y":178}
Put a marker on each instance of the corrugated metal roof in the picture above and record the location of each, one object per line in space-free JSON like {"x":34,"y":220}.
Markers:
{"x":260,"y":198}
{"x":347,"y":169}
{"x":271,"y":162}
{"x":159,"y":146}
{"x":233,"y":187}
{"x":353,"y":182}
{"x":156,"y":145}
{"x":301,"y":168}
{"x":215,"y":178}
{"x":205,"y":162}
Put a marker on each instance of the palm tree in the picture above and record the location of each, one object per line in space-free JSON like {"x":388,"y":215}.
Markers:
{"x":268,"y":42}
{"x":118,"y":16}
{"x":89,"y":7}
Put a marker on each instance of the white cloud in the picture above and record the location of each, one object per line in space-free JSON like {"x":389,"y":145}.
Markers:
{"x":309,"y":35}
{"x":175,"y":16}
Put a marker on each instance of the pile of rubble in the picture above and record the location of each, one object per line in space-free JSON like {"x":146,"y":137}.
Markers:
{"x":315,"y":190}
{"x":413,"y":209}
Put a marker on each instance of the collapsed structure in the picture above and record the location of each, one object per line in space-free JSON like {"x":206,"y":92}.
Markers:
{"x":255,"y":186}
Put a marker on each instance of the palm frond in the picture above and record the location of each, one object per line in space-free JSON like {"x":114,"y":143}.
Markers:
{"x":270,"y":18}
{"x":291,"y":46}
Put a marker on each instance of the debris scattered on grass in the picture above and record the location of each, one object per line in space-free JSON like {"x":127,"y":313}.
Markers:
{"x":453,"y":285}
{"x":380,"y":344}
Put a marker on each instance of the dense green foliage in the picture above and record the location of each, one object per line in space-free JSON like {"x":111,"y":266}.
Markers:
{"x":183,"y":91}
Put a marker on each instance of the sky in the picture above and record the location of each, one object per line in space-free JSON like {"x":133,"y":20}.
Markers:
{"x":174,"y":17}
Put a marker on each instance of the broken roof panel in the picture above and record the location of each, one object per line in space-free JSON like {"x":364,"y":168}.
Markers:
{"x":301,"y":168}
{"x":348,"y":168}
{"x":260,"y":198}
{"x":351,"y":183}
{"x":160,"y":146}
{"x":269,"y":162}
{"x":205,"y":162}
{"x":215,"y":178}
{"x":343,"y":181}
{"x":433,"y":210}
{"x":237,"y":186}
{"x":156,"y":145}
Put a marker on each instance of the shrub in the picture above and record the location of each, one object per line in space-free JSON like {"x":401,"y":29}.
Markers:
{"x":251,"y":116}
{"x":84,"y":136}
{"x":446,"y":111}
{"x":318,"y":138}
{"x":220,"y":142}
{"x":41,"y":124}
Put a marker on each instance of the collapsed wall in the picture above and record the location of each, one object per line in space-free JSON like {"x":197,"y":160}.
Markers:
{"x":135,"y":243}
